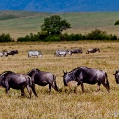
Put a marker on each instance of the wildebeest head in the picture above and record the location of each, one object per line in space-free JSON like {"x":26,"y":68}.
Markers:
{"x":66,"y":78}
{"x":98,"y":49}
{"x":117,"y":76}
{"x":15,"y":51}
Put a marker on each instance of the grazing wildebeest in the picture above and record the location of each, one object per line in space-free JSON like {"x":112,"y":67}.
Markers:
{"x":116,"y":74}
{"x":34,"y":53}
{"x":62,"y":53}
{"x":13,"y":52}
{"x":92,"y":50}
{"x":9,"y":79}
{"x":76,"y":51}
{"x":87,"y":75}
{"x":43,"y":78}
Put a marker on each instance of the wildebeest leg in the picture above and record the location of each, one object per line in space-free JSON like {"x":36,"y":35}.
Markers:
{"x":53,"y":84}
{"x":106,"y":86}
{"x":7,"y":90}
{"x":82,"y":87}
{"x":75,"y":89}
{"x":22,"y":92}
{"x":34,"y":91}
{"x":98,"y":88}
{"x":29,"y":90}
{"x":50,"y":88}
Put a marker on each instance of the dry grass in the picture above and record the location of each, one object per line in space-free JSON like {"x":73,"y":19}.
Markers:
{"x":62,"y":105}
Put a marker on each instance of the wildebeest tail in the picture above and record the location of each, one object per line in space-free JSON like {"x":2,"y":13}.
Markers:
{"x":30,"y":81}
{"x":32,"y":85}
{"x":55,"y":84}
{"x":107,"y":82}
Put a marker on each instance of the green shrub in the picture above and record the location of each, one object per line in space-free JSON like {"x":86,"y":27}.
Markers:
{"x":52,"y":38}
{"x":5,"y":38}
{"x":116,"y":23}
{"x":100,"y":35}
{"x":33,"y":37}
{"x":72,"y":37}
{"x":113,"y":37}
{"x":96,"y":35}
{"x":43,"y":36}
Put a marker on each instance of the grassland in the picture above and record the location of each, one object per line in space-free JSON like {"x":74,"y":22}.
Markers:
{"x":61,"y":105}
{"x":19,"y":23}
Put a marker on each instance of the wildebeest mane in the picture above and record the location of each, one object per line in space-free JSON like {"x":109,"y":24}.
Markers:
{"x":75,"y":69}
{"x":33,"y":71}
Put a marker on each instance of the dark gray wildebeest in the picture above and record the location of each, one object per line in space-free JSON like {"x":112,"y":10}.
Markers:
{"x":62,"y":53}
{"x":34,"y":53}
{"x":9,"y":79}
{"x":116,"y":74}
{"x":43,"y":78}
{"x":12,"y":52}
{"x":76,"y":51}
{"x":93,"y":50}
{"x":87,"y":75}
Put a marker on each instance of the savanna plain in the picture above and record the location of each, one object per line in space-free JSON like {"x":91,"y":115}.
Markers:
{"x":64,"y":104}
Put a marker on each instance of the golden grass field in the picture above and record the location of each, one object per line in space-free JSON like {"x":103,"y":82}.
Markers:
{"x":64,"y":104}
{"x":61,"y":105}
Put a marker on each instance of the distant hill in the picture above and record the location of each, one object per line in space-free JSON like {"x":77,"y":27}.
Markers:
{"x":21,"y":23}
{"x":60,"y":5}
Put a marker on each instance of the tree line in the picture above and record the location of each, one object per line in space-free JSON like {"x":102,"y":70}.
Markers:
{"x":51,"y":30}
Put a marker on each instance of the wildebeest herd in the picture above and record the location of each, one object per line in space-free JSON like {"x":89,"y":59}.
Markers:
{"x":35,"y":53}
{"x":81,"y":75}
{"x":75,"y":51}
{"x":9,"y":79}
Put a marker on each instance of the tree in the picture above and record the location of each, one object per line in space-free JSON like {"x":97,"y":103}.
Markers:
{"x":117,"y":22}
{"x":54,"y":25}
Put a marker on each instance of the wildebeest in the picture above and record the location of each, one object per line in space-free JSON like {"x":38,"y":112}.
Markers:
{"x":13,"y":52}
{"x":87,"y":75}
{"x":92,"y":50}
{"x":76,"y":51}
{"x":34,"y":53}
{"x":9,"y":79}
{"x":62,"y":53}
{"x":43,"y":78}
{"x":116,"y":74}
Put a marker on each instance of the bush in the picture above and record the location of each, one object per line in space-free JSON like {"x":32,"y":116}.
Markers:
{"x":33,"y":37}
{"x":117,"y":22}
{"x":5,"y":38}
{"x":96,"y":35}
{"x":52,"y":38}
{"x":72,"y":37}
{"x":113,"y":37}
{"x":43,"y":36}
